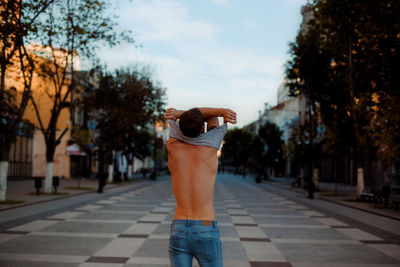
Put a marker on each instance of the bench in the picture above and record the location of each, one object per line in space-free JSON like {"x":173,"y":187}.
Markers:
{"x":369,"y":197}
{"x":297,"y":182}
{"x":38,"y":183}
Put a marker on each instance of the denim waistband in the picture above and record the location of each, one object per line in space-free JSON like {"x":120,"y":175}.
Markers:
{"x":196,"y":222}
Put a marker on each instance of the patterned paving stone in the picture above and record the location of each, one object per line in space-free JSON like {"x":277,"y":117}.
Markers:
{"x":145,"y":265}
{"x":286,"y":221}
{"x":34,"y":226}
{"x":258,"y":228}
{"x":126,"y":208}
{"x":262,"y":251}
{"x":162,"y":229}
{"x":87,"y":227}
{"x":266,"y":211}
{"x":303,"y":233}
{"x":108,"y":216}
{"x":228,"y":231}
{"x":153,"y":248}
{"x":333,"y":253}
{"x":224,"y":218}
{"x":16,"y":263}
{"x":53,"y":245}
{"x":233,"y":251}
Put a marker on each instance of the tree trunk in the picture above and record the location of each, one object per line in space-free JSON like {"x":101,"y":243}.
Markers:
{"x":4,"y":157}
{"x":48,"y":182}
{"x":80,"y":171}
{"x":110,"y":173}
{"x":335,"y":176}
{"x":360,"y":181}
{"x":130,"y":171}
{"x":391,"y":171}
{"x":315,"y":177}
{"x":3,"y":179}
{"x":302,"y":174}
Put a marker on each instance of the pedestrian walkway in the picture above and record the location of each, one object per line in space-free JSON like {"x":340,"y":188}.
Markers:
{"x":260,"y":226}
{"x":346,"y":196}
{"x":22,"y":192}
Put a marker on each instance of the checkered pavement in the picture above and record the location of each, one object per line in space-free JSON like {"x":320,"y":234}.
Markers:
{"x":258,"y":228}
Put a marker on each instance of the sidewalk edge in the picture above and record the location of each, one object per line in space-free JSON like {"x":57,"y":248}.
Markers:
{"x":340,"y":203}
{"x":361,"y":209}
{"x":62,"y":197}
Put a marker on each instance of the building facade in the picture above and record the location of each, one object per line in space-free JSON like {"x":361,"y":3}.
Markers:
{"x":28,"y":153}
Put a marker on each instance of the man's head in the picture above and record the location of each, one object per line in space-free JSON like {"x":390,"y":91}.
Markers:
{"x":191,"y":123}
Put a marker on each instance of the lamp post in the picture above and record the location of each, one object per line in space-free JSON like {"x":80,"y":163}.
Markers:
{"x":100,"y":172}
{"x":154,"y":174}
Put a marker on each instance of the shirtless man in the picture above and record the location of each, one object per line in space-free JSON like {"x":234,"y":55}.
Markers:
{"x":193,"y":163}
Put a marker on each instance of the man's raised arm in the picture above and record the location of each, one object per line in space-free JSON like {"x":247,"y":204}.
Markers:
{"x":227,"y":114}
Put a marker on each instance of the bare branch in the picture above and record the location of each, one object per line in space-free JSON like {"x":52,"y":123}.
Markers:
{"x":58,"y":141}
{"x":38,"y":117}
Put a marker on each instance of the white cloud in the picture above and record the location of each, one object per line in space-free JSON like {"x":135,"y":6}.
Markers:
{"x":295,"y":2}
{"x":221,"y":2}
{"x":251,"y":25}
{"x":202,"y":70}
{"x":167,"y":20}
{"x":229,"y":61}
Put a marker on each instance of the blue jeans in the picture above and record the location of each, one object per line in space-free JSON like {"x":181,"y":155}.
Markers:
{"x":195,"y":238}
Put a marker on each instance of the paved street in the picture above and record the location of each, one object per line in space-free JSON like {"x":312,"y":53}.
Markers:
{"x":261,"y":225}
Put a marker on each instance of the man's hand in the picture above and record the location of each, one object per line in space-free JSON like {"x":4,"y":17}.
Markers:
{"x":172,"y":114}
{"x":229,"y":116}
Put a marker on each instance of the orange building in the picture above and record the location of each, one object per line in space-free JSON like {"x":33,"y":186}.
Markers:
{"x":28,"y":153}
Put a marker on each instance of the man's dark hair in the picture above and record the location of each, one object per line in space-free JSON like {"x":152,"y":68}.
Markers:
{"x":191,"y":122}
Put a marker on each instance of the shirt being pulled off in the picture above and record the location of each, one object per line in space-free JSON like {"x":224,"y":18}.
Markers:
{"x":212,"y":138}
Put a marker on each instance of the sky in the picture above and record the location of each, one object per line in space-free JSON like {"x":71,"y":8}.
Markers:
{"x":210,"y":53}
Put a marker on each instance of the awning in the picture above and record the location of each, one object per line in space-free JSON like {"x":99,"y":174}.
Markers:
{"x":75,"y":150}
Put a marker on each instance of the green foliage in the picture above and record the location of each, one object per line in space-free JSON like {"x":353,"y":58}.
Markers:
{"x":19,"y":20}
{"x":264,"y":150}
{"x":347,"y":53}
{"x":126,"y":106}
{"x":385,"y":127}
{"x":70,"y":28}
{"x":271,"y":136}
{"x":298,"y":149}
{"x":82,"y":135}
{"x":236,"y":150}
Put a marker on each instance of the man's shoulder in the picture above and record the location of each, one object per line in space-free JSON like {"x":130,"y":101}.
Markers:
{"x":173,"y":140}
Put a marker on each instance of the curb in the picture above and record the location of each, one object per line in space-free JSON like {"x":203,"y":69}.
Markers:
{"x":66,"y":196}
{"x":361,"y":209}
{"x":339,"y":203}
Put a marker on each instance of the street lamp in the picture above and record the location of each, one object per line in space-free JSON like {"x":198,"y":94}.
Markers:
{"x":100,"y":172}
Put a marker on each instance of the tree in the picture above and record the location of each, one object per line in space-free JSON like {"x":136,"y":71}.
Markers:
{"x":348,"y":53}
{"x":126,"y":106}
{"x":271,"y":137}
{"x":298,"y":150}
{"x":385,"y":127}
{"x":142,"y":104}
{"x":70,"y":28}
{"x":236,"y":150}
{"x":19,"y":22}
